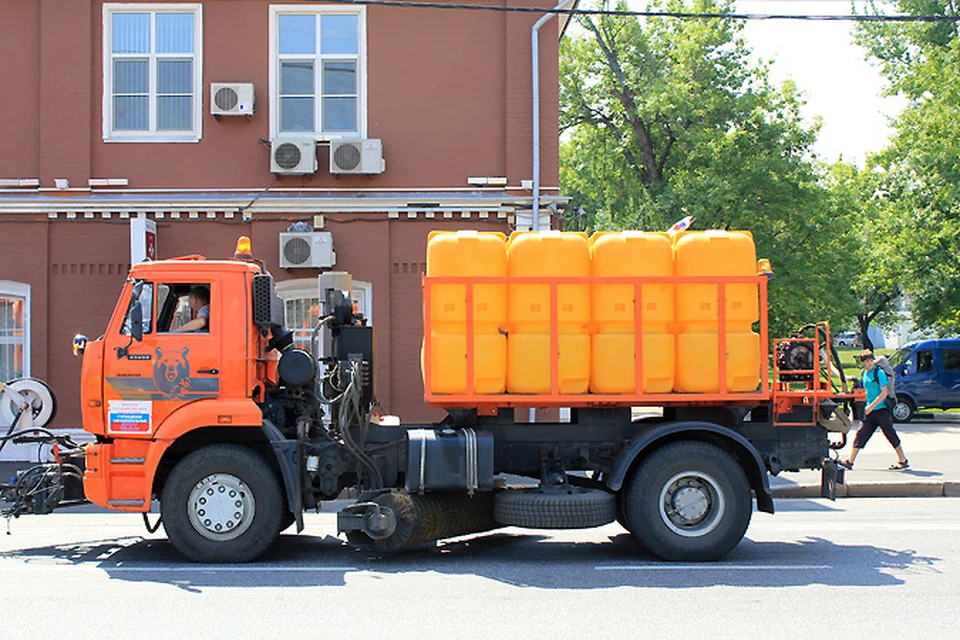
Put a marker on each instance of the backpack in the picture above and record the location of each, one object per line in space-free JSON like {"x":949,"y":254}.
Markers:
{"x":891,"y":399}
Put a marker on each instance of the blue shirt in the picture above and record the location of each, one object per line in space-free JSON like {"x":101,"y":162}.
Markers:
{"x":874,"y":387}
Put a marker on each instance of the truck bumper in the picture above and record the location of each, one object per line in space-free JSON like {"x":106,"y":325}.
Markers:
{"x":118,"y":482}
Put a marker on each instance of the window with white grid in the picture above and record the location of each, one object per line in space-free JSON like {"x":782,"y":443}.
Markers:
{"x":14,"y":330}
{"x":317,"y":74}
{"x":152,"y":75}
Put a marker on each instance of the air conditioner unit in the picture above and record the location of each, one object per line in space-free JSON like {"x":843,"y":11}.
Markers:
{"x":312,"y":250}
{"x":356,"y":156}
{"x":231,"y":98}
{"x":293,"y":156}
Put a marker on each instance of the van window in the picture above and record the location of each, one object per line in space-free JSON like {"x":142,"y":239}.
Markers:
{"x":924,"y":361}
{"x":898,"y":357}
{"x":951,"y":359}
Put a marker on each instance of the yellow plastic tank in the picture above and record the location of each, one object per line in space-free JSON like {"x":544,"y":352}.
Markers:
{"x":613,"y":345}
{"x":466,"y":253}
{"x":716,"y":253}
{"x":547,"y":253}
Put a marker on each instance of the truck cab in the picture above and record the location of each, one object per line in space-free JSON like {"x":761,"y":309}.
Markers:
{"x":147,"y":383}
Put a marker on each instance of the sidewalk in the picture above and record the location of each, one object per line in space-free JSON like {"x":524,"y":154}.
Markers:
{"x":932,"y":447}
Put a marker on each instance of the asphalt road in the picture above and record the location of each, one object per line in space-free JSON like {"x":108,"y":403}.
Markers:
{"x":857,"y":568}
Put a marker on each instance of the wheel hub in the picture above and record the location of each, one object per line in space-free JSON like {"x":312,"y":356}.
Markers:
{"x":221,"y":507}
{"x":692,"y":504}
{"x":901,"y":411}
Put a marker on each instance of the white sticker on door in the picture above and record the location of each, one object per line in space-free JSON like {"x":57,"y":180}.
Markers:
{"x":130,"y":416}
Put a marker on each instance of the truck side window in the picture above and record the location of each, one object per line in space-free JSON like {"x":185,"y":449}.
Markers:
{"x":951,"y":359}
{"x":146,"y":304}
{"x":924,"y":361}
{"x":176,"y":311}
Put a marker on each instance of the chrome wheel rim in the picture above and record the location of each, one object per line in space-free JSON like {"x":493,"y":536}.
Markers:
{"x":901,"y":411}
{"x":692,"y":504}
{"x":221,"y":507}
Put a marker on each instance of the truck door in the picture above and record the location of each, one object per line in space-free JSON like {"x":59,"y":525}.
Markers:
{"x":146,"y":380}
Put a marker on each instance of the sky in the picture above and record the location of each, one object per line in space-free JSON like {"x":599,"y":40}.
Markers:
{"x":839,"y":84}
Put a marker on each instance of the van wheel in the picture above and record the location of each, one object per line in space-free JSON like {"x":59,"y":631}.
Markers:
{"x":689,"y":501}
{"x":222,"y":503}
{"x":904,"y":410}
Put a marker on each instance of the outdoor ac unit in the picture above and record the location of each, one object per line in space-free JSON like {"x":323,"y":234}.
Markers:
{"x":312,"y":250}
{"x":293,"y":156}
{"x":356,"y":156}
{"x":231,"y":98}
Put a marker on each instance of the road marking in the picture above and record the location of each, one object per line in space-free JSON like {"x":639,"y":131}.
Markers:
{"x":713,"y":566}
{"x":29,"y":566}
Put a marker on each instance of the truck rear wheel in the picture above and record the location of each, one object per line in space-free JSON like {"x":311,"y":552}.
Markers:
{"x":689,"y":501}
{"x":222,"y":503}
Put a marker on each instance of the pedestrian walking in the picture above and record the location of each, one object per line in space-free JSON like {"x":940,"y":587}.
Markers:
{"x":877,"y":413}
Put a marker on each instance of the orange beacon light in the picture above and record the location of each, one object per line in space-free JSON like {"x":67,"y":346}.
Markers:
{"x":243,"y":252}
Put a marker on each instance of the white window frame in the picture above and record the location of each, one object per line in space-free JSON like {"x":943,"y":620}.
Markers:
{"x":318,"y":133}
{"x":11,"y":289}
{"x":195,"y":135}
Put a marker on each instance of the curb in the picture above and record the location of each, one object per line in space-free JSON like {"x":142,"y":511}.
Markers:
{"x":875,"y":490}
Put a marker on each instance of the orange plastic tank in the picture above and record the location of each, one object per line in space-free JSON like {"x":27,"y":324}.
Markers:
{"x":613,"y":345}
{"x":466,"y":253}
{"x":547,"y":253}
{"x":716,"y":253}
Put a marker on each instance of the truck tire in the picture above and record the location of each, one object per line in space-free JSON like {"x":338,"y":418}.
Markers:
{"x":904,"y":410}
{"x":689,"y":501}
{"x":222,"y":503}
{"x":572,"y":508}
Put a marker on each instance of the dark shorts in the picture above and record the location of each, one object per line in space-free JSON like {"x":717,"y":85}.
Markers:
{"x":877,"y":418}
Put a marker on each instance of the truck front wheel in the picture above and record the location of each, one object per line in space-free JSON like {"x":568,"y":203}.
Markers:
{"x":222,"y":503}
{"x":689,"y":501}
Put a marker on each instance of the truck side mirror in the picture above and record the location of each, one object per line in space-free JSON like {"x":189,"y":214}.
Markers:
{"x":136,"y":321}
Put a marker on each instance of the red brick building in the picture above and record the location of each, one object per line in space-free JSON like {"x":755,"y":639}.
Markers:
{"x":372,"y":123}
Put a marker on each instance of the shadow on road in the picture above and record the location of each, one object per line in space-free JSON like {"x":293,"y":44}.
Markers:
{"x":518,"y":559}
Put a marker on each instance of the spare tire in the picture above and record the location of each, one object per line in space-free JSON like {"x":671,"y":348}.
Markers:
{"x":561,"y":508}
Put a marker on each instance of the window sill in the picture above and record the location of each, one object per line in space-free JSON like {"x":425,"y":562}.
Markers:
{"x":154,"y":139}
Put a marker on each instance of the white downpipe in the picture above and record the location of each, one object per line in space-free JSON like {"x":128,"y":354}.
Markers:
{"x":535,"y":58}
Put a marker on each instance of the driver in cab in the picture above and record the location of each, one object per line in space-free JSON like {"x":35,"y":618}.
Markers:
{"x":200,"y":305}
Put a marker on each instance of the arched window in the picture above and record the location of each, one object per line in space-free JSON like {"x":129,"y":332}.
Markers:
{"x":301,"y":303}
{"x":14,"y":330}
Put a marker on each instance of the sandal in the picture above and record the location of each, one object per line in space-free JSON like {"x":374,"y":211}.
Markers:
{"x":846,"y":464}
{"x":900,"y":465}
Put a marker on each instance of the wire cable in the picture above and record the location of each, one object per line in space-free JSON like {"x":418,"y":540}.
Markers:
{"x":680,"y":15}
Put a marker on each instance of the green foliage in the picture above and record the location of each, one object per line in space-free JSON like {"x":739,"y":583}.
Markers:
{"x":918,"y":175}
{"x":666,"y":118}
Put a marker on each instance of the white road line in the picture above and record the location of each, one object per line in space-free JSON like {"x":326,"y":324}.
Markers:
{"x":27,"y":567}
{"x":714,"y":567}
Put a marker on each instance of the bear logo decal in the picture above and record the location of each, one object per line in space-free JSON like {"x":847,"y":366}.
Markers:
{"x":172,"y":373}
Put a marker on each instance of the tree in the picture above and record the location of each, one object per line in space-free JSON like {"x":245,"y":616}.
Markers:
{"x":918,"y":175}
{"x":665,"y":118}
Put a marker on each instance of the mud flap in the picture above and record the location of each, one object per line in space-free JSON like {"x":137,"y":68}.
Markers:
{"x":831,"y":474}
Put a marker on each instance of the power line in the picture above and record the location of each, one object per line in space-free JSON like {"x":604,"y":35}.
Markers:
{"x":681,"y":15}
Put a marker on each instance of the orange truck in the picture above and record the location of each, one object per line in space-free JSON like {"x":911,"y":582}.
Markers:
{"x":672,"y":407}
